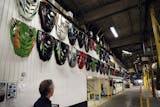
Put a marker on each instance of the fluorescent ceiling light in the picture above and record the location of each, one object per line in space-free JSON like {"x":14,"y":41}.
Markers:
{"x":113,"y":30}
{"x":126,"y":52}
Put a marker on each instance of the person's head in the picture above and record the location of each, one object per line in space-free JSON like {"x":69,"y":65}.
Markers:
{"x":46,"y":88}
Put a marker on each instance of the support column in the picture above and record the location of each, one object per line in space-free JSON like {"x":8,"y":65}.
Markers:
{"x":99,"y":88}
{"x":156,"y":31}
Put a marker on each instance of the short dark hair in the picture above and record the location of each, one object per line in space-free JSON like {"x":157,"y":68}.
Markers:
{"x":44,"y":87}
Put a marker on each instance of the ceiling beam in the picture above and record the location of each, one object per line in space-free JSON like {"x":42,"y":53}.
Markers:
{"x":130,"y":22}
{"x":129,"y":40}
{"x":107,"y":10}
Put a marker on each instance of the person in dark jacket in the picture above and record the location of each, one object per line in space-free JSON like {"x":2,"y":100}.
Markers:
{"x":46,"y":90}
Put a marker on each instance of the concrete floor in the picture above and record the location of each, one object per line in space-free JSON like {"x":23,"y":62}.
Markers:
{"x":130,"y":98}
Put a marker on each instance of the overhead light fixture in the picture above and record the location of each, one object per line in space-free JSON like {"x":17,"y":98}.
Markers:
{"x":113,"y":30}
{"x":126,"y":52}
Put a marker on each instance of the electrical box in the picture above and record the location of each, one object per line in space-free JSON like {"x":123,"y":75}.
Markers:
{"x":11,"y":90}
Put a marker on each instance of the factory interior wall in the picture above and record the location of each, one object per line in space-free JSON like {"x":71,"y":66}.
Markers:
{"x":70,"y":83}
